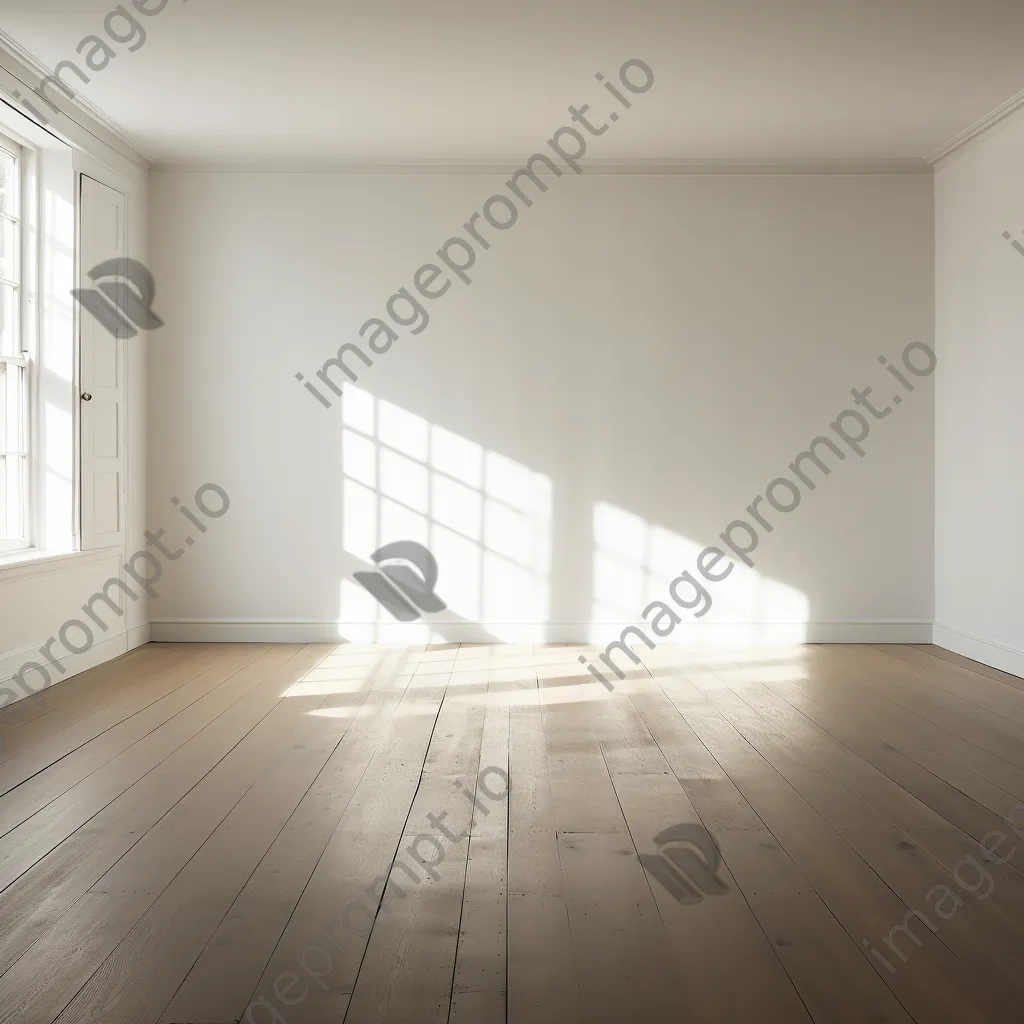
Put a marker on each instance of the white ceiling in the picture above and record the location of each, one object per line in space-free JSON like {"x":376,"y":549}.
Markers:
{"x":388,"y":81}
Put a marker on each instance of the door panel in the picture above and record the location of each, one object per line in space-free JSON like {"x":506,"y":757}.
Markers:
{"x":102,"y":236}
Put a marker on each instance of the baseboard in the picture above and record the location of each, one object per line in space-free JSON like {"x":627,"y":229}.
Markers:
{"x":988,"y":652}
{"x":309,"y":631}
{"x":236,"y":631}
{"x":139,"y":636}
{"x":101,"y":651}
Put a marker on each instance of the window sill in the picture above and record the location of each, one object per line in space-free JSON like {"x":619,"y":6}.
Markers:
{"x":15,"y":565}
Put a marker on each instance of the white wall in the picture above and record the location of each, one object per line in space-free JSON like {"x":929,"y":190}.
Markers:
{"x":636,"y":359}
{"x":38,"y":598}
{"x":979,"y":436}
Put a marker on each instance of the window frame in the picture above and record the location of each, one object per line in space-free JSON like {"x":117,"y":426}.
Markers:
{"x":25,"y":361}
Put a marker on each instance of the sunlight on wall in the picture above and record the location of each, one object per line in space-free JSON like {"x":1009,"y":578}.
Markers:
{"x":56,"y":372}
{"x":486,"y":518}
{"x":634,"y":563}
{"x":58,"y":280}
{"x":58,"y":471}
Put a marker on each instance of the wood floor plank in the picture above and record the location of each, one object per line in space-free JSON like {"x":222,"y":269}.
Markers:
{"x":989,"y":723}
{"x":908,"y":796}
{"x":818,"y":720}
{"x":139,"y":977}
{"x":729,"y":932}
{"x":220,"y":984}
{"x":984,"y":777}
{"x":542,"y":982}
{"x":533,"y":864}
{"x":543,"y":987}
{"x":728,"y":928}
{"x":934,"y":984}
{"x":977,"y":933}
{"x":78,"y":943}
{"x":42,"y":894}
{"x":35,"y":793}
{"x":481,"y":967}
{"x":33,"y":838}
{"x":962,"y":677}
{"x":620,"y":965}
{"x":210,"y":834}
{"x":326,"y":936}
{"x":47,"y":739}
{"x":624,"y":959}
{"x":583,"y":798}
{"x":477,"y":1008}
{"x":789,"y":910}
{"x":941,"y":654}
{"x":407,"y":974}
{"x":87,"y":690}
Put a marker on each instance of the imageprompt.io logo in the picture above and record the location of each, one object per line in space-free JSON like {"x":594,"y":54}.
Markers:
{"x":122,"y":298}
{"x":1013,"y":241}
{"x":687,"y":863}
{"x":405,"y":580}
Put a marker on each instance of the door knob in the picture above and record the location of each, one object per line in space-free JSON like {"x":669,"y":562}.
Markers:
{"x":86,"y":397}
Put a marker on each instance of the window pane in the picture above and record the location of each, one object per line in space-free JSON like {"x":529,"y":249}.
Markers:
{"x":10,"y":264}
{"x":13,"y":378}
{"x":12,"y":490}
{"x":8,"y":183}
{"x":13,"y":414}
{"x":4,"y":404}
{"x":12,"y":465}
{"x":10,"y":338}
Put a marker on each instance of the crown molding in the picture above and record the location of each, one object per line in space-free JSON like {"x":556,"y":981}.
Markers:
{"x":664,"y":168}
{"x":29,"y":71}
{"x":977,"y":131}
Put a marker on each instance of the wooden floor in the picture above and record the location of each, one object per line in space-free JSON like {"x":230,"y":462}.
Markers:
{"x":200,"y":834}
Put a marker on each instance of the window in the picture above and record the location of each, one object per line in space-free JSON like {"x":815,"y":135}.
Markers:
{"x":14,"y":359}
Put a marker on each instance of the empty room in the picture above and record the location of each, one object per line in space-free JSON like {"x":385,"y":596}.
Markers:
{"x":509,"y":513}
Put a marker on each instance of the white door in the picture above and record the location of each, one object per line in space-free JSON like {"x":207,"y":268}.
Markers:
{"x":101,"y":237}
